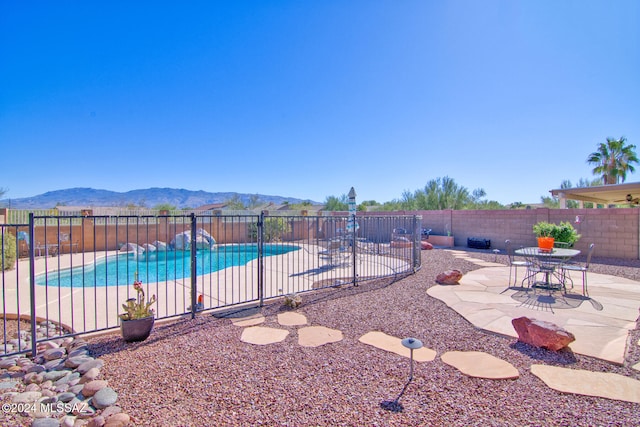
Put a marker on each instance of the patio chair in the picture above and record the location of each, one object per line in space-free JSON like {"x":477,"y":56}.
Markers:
{"x":514,"y":263}
{"x":336,"y":251}
{"x":65,"y":241}
{"x":23,"y":236}
{"x":540,"y":265}
{"x":583,"y":268}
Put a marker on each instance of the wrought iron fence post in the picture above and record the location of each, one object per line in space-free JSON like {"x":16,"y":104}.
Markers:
{"x":194,"y":266}
{"x":32,"y":285}
{"x":353,"y":248}
{"x":260,"y":242}
{"x":417,"y":243}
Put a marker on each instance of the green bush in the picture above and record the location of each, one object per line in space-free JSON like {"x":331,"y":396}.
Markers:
{"x":274,"y":229}
{"x":564,"y":232}
{"x":9,"y":253}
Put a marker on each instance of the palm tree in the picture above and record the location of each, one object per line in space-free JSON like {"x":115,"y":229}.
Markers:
{"x":613,"y":160}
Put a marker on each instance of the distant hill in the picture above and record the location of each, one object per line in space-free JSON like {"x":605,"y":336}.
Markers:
{"x":150,"y":197}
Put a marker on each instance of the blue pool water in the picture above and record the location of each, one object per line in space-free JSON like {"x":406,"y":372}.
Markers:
{"x":157,"y":267}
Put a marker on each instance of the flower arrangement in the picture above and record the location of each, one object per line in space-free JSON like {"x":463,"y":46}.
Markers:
{"x":137,"y":308}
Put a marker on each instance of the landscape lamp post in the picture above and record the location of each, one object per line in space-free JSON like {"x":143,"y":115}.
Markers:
{"x":394,"y":405}
{"x":411,"y":344}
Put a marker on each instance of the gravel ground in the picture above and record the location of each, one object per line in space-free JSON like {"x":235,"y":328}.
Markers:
{"x":198,"y":372}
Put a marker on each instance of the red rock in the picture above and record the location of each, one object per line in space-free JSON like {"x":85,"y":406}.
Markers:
{"x":118,"y":420}
{"x":542,"y":334}
{"x":449,"y":277}
{"x":426,"y":245}
{"x":92,"y":387}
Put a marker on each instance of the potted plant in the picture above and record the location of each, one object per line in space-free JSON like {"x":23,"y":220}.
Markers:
{"x":137,"y":321}
{"x":565,"y":233}
{"x":549,"y":233}
{"x":544,"y":232}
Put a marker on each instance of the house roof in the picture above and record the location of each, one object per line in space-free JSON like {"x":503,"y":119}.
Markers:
{"x":212,"y":206}
{"x":603,"y":194}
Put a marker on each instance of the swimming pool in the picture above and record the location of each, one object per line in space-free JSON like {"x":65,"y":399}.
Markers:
{"x":120,"y":269}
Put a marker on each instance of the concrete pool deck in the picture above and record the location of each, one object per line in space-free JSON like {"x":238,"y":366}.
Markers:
{"x":97,"y":308}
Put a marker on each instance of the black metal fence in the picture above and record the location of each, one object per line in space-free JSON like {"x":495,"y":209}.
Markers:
{"x":65,"y":275}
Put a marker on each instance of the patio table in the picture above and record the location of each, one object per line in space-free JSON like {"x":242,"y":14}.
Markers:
{"x":547,"y":263}
{"x":49,"y":248}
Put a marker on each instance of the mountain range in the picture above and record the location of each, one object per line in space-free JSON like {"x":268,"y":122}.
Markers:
{"x":150,"y":197}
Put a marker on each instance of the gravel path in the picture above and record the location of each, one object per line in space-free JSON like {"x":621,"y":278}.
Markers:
{"x":198,"y":372}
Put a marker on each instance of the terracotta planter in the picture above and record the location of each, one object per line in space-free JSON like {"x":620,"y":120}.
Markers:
{"x":545,"y":244}
{"x":136,"y":329}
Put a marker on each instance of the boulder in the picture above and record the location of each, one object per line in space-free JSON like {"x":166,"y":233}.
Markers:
{"x":542,"y":334}
{"x":149,"y":247}
{"x":449,"y":277}
{"x":426,"y":245}
{"x":132,"y":247}
{"x":182,"y":241}
{"x":200,"y":232}
{"x":160,"y":246}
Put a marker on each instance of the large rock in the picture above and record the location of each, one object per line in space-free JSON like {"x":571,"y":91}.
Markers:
{"x":148,"y":247}
{"x":449,"y":277}
{"x":160,"y":246}
{"x":424,"y":245}
{"x":92,"y":387}
{"x":182,"y":241}
{"x":542,"y":334}
{"x":132,"y":248}
{"x":104,"y":397}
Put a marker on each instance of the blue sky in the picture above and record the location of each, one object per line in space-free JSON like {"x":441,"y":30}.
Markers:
{"x":309,"y":98}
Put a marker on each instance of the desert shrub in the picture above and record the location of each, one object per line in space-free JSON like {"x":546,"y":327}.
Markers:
{"x":274,"y":229}
{"x":8,"y":249}
{"x":292,"y":300}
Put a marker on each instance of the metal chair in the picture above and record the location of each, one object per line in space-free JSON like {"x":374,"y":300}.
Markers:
{"x":65,"y":241}
{"x":544,"y":265}
{"x":24,"y":237}
{"x":514,"y":263}
{"x":583,"y":268}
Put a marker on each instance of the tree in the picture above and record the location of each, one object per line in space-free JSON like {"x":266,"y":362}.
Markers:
{"x":165,"y":207}
{"x":235,"y":203}
{"x":254,"y":201}
{"x":550,"y":202}
{"x":333,"y":203}
{"x":613,"y":160}
{"x":443,"y":193}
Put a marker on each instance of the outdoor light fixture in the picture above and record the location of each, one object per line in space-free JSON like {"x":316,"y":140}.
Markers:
{"x":411,"y":344}
{"x":394,"y":405}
